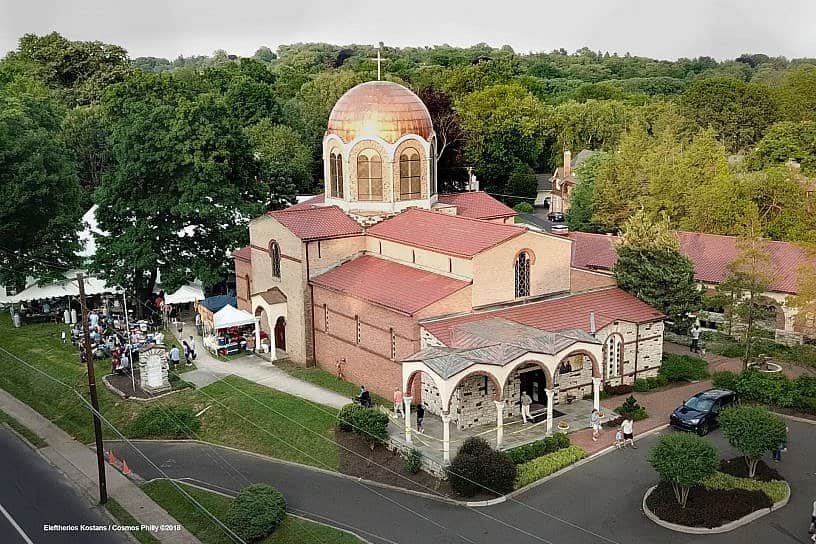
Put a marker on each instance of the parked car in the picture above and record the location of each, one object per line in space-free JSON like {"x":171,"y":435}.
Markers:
{"x":559,"y":229}
{"x":701,"y":412}
{"x":558,"y":217}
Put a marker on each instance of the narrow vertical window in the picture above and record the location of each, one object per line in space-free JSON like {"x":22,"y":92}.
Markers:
{"x":522,"y":274}
{"x":369,"y":175}
{"x":336,"y":174}
{"x":613,"y":356}
{"x":393,"y":345}
{"x":359,"y":328}
{"x":325,"y":318}
{"x":275,"y":256}
{"x":432,"y":181}
{"x":410,"y":174}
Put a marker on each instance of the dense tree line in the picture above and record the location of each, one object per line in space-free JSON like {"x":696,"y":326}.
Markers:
{"x":199,"y":144}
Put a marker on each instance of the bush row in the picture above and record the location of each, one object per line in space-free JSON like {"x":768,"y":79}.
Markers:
{"x":775,"y":489}
{"x":678,"y":368}
{"x":652,"y":382}
{"x":369,"y":423}
{"x":479,"y":468}
{"x":773,"y":389}
{"x":528,"y":452}
{"x":545,"y":465}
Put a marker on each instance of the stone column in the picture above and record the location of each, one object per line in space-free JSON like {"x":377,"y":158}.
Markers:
{"x":446,"y":418}
{"x":257,"y":335}
{"x":550,"y":399}
{"x":273,"y":350}
{"x":596,"y":393}
{"x":499,"y":422}
{"x":790,"y":316}
{"x":407,"y":401}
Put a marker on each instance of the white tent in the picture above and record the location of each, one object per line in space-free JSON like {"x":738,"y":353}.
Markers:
{"x":63,"y":288}
{"x":186,"y":293}
{"x":230,"y":316}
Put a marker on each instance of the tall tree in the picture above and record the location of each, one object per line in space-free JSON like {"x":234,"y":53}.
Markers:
{"x":797,"y":93}
{"x":85,"y":132}
{"x":651,"y":267}
{"x":285,"y":161}
{"x":582,"y":206}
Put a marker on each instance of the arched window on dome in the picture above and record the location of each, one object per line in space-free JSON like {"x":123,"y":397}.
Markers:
{"x":410,"y":174}
{"x":336,"y":174}
{"x":369,"y":175}
{"x":522,"y":274}
{"x":432,"y":181}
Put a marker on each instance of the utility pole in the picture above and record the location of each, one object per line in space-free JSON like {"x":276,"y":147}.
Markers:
{"x":100,"y":453}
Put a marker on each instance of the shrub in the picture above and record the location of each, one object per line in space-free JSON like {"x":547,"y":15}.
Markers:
{"x":413,"y":461}
{"x":805,"y":386}
{"x":256,"y":512}
{"x":614,"y":390}
{"x":347,"y":417}
{"x":775,"y":389}
{"x":684,"y":460}
{"x":676,"y":368}
{"x":481,"y":468}
{"x":369,"y":423}
{"x":775,"y":489}
{"x":545,"y":465}
{"x":725,"y":380}
{"x":642,"y":385}
{"x":754,"y":431}
{"x":631,"y":408}
{"x":647,"y":384}
{"x":523,"y":207}
{"x":165,"y":422}
{"x":530,"y":451}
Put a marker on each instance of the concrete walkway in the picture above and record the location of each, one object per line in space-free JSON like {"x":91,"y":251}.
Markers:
{"x":78,"y":463}
{"x":255,"y":369}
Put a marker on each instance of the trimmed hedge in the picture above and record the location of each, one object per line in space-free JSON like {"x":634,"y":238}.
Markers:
{"x":614,"y":390}
{"x":528,"y":452}
{"x":678,"y":368}
{"x":369,"y":423}
{"x":479,"y":468}
{"x":647,"y":384}
{"x":548,"y":464}
{"x":165,"y":422}
{"x":772,"y":389}
{"x":775,"y":489}
{"x":725,"y":380}
{"x":256,"y":512}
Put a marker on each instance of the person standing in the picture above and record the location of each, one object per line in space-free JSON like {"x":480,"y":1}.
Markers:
{"x":595,"y":423}
{"x":420,"y":411}
{"x":782,"y":446}
{"x":63,"y":337}
{"x":192,"y":343}
{"x":526,"y":401}
{"x":695,"y":338}
{"x":365,"y":397}
{"x":398,"y":402}
{"x":627,"y":427}
{"x":174,"y":356}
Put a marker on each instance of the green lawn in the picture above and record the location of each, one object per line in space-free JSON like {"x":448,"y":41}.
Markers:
{"x":124,"y":518}
{"x":241,"y":414}
{"x":326,"y":380}
{"x":292,"y":531}
{"x":24,"y":431}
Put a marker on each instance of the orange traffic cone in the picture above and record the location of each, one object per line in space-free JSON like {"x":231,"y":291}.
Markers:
{"x":125,"y":468}
{"x":111,"y":458}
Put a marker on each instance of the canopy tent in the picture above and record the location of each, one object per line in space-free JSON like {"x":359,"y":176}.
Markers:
{"x":64,"y":288}
{"x":230,"y":316}
{"x":184,"y":294}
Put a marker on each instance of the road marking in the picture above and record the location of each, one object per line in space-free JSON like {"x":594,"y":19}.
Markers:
{"x":14,"y":524}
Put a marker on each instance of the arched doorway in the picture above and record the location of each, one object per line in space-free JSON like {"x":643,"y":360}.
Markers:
{"x":280,"y":333}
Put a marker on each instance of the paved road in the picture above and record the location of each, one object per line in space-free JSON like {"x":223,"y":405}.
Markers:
{"x":539,"y":219}
{"x":33,"y":493}
{"x":597,"y":503}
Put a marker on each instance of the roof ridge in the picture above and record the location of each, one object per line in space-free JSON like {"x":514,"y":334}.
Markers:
{"x":480,"y":221}
{"x":292,"y":209}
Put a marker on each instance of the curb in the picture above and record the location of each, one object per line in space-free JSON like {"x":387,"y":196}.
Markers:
{"x":22,"y":438}
{"x":727,"y":527}
{"x":796,"y":418}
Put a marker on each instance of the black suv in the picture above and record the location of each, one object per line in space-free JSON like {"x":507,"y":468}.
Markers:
{"x":700,"y":413}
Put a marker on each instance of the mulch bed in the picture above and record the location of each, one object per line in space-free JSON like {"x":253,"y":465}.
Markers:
{"x":385,"y":466}
{"x":125,"y":385}
{"x":705,"y":508}
{"x":738,"y":467}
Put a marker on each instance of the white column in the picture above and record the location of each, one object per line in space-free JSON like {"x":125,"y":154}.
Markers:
{"x":407,"y":401}
{"x":596,"y":393}
{"x":499,"y":422}
{"x":273,"y":348}
{"x":550,"y":400}
{"x":446,"y":437}
{"x":257,"y":335}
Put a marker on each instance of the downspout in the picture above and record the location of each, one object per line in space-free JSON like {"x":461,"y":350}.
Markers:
{"x":310,"y":313}
{"x":637,"y":345}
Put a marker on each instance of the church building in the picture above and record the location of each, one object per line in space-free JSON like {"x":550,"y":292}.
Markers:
{"x":441,"y":295}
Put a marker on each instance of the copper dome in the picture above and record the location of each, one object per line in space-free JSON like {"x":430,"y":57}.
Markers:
{"x":379,"y":108}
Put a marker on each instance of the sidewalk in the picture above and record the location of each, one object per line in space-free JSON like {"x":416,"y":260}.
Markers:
{"x":255,"y":369}
{"x":78,"y":463}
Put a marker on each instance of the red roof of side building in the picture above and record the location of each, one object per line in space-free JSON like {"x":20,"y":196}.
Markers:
{"x":311,"y":202}
{"x":389,"y":284}
{"x":709,"y":253}
{"x":244,"y":253}
{"x":477,"y":205}
{"x":317,"y":223}
{"x":570,"y":312}
{"x":449,"y":234}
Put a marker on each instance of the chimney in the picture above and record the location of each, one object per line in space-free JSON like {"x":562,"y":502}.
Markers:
{"x":566,"y":171}
{"x":592,"y":323}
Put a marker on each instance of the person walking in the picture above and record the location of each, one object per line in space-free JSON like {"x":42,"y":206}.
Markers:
{"x":365,"y":397}
{"x":595,"y":423}
{"x":526,"y":401}
{"x":420,"y":411}
{"x":627,"y":428}
{"x":192,"y":343}
{"x":398,"y":403}
{"x":781,"y":447}
{"x":695,"y":338}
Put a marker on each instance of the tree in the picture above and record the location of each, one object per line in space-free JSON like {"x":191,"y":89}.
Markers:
{"x":785,"y":141}
{"x":797,"y":93}
{"x":805,"y":299}
{"x":684,"y":460}
{"x":651,"y":267}
{"x":522,"y":183}
{"x":754,"y":431}
{"x":85,"y":132}
{"x":285,"y":161}
{"x":39,"y":191}
{"x":582,"y":206}
{"x":182,"y":186}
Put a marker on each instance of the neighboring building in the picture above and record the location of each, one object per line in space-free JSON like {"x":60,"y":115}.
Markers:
{"x":380,"y":269}
{"x":710,"y":255}
{"x":555,"y":192}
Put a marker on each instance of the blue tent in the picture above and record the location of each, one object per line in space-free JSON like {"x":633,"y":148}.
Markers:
{"x":217,"y":302}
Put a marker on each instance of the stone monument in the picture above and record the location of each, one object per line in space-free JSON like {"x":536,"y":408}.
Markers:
{"x":153,"y":367}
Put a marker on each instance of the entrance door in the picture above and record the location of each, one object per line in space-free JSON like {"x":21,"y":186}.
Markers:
{"x":280,"y":333}
{"x":534,"y":383}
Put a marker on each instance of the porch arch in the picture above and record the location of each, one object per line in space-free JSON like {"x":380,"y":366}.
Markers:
{"x":596,"y":371}
{"x":498,"y":396}
{"x":526,"y":363}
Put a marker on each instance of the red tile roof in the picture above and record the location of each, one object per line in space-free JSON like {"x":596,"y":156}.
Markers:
{"x":709,"y":253}
{"x":449,"y":234}
{"x":244,"y":253}
{"x":317,"y":223}
{"x":389,"y":284}
{"x":477,"y":205}
{"x":309,"y":202}
{"x":560,"y":314}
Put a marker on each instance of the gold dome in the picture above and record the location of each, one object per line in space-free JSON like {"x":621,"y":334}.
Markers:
{"x":379,"y":108}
